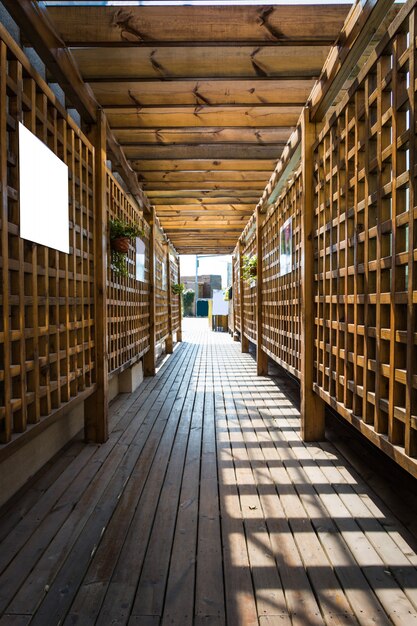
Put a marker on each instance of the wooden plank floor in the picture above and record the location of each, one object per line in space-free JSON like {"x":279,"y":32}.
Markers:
{"x":204,"y":507}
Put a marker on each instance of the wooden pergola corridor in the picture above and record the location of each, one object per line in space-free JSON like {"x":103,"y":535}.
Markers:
{"x":204,"y":507}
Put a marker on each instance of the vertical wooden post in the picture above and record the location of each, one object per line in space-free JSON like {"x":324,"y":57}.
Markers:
{"x":6,"y":388}
{"x":149,"y":358}
{"x":312,"y":406}
{"x":96,"y":406}
{"x":179,"y":331}
{"x":169,"y":341}
{"x":261,"y":356}
{"x":244,"y":341}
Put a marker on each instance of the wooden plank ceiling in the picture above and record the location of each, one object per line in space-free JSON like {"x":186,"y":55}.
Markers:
{"x":202,"y":100}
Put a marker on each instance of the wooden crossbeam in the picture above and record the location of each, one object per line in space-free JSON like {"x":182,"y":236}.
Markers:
{"x":245,"y":62}
{"x":145,"y":25}
{"x":202,"y":116}
{"x":181,"y":165}
{"x":195,"y":92}
{"x":214,"y":152}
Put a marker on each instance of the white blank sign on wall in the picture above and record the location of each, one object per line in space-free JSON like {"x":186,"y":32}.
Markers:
{"x":220,"y":305}
{"x":43,"y":191}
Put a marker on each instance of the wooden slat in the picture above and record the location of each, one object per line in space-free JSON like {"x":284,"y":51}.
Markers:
{"x":217,"y":92}
{"x":219,"y":154}
{"x":279,"y":24}
{"x":199,"y":63}
{"x":179,"y":165}
{"x":203,"y":115}
{"x":222,"y":176}
{"x":183,"y":135}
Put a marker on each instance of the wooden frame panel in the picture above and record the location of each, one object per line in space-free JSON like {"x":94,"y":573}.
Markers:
{"x":366,"y":248}
{"x":281,"y":295}
{"x":174,"y":270}
{"x":128,"y":298}
{"x":248,"y":239}
{"x":47,"y":297}
{"x":161,"y":287}
{"x":236,"y":291}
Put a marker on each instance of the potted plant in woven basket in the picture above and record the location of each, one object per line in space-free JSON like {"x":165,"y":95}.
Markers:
{"x":178,"y":288}
{"x":121,"y":233}
{"x":249,"y":267}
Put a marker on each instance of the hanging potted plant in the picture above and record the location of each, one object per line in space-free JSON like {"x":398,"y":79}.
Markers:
{"x":121,"y":233}
{"x":178,"y":288}
{"x":249,"y":267}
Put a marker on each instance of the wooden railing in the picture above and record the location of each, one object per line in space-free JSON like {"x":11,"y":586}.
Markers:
{"x":127,"y":296}
{"x":47,"y":318}
{"x":343,"y":319}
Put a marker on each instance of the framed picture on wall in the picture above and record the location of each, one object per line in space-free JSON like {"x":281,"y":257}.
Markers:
{"x":285,"y":247}
{"x":140,"y":259}
{"x":164,"y":282}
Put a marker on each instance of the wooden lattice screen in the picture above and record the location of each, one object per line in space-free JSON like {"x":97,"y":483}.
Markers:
{"x":281,"y":294}
{"x":127,"y":297}
{"x":161,"y":287}
{"x":236,"y":290}
{"x":175,"y":299}
{"x":249,"y":287}
{"x":366,"y":246}
{"x":47,"y":308}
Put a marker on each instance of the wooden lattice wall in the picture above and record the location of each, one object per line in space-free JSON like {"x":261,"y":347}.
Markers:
{"x":281,"y":294}
{"x":236,"y":290}
{"x":249,"y":287}
{"x":47,"y":307}
{"x":366,"y":246}
{"x":127,"y":298}
{"x":161,"y":286}
{"x":175,"y":299}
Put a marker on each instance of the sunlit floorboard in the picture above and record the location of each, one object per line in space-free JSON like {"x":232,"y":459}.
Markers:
{"x":204,"y":507}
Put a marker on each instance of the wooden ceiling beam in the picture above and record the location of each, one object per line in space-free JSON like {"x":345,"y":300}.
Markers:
{"x":206,"y":200}
{"x":190,"y":185}
{"x":194,"y":92}
{"x":204,"y":176}
{"x":182,"y":165}
{"x":115,"y":64}
{"x":219,"y":153}
{"x":200,"y":209}
{"x":146,"y":24}
{"x":202,"y":116}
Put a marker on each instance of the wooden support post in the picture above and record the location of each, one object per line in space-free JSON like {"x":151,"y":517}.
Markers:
{"x":169,"y":344}
{"x":243,"y":339}
{"x":312,"y":406}
{"x":261,"y":356}
{"x":149,"y":358}
{"x":179,"y":331}
{"x":96,"y":406}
